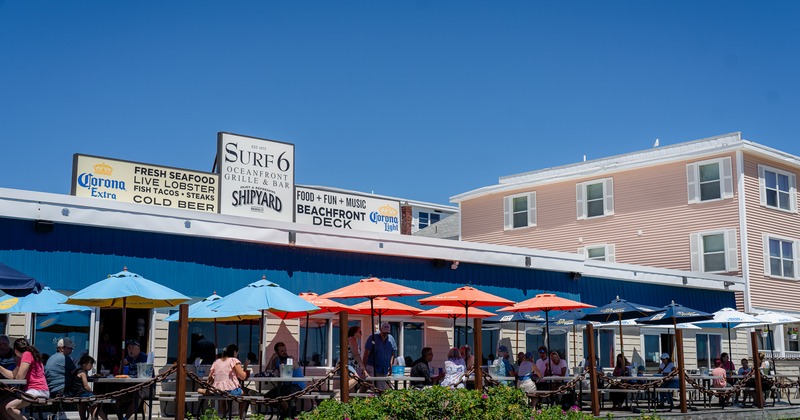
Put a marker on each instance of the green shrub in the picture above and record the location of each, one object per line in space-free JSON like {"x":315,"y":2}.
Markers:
{"x":439,"y":403}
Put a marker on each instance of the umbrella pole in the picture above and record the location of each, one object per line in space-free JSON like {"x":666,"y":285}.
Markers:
{"x":621,"y":345}
{"x":547,"y":325}
{"x":518,"y":334}
{"x":455,"y":333}
{"x":261,"y":342}
{"x":771,"y":348}
{"x":122,"y":359}
{"x":372,"y":327}
{"x":730,"y":347}
{"x":466,"y":327}
{"x":216,"y":340}
{"x":250,"y":337}
{"x":305,"y":347}
{"x":574,"y":346}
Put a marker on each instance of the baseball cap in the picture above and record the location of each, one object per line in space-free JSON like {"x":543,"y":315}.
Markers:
{"x":66,"y":342}
{"x":664,"y":356}
{"x":503,"y":349}
{"x":385,"y":327}
{"x":529,"y":355}
{"x":134,"y":343}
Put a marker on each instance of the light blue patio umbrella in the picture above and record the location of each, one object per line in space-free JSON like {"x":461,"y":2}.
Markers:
{"x":200,"y":312}
{"x":47,"y":301}
{"x":262,"y":296}
{"x":127,"y":290}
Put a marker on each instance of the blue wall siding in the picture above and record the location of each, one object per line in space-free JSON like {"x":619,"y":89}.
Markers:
{"x":73,"y":257}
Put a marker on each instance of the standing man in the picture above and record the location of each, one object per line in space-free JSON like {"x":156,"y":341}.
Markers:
{"x":379,"y":354}
{"x":7,"y":358}
{"x":59,"y":368}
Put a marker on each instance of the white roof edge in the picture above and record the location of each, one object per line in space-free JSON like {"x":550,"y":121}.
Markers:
{"x":599,"y":167}
{"x":442,"y":207}
{"x":68,"y":209}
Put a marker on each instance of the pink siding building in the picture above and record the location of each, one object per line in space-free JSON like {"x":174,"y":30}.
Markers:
{"x":718,"y":205}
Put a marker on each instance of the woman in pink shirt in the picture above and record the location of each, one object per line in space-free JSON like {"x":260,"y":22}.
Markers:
{"x":225,"y":374}
{"x":31,"y":369}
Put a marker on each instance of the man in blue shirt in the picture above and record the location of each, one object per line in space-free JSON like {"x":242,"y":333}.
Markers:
{"x":507,"y":367}
{"x":379,"y":354}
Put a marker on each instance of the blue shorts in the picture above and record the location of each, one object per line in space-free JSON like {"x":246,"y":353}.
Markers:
{"x":235,"y":392}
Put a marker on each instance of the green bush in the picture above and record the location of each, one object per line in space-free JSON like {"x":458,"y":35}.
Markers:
{"x":439,"y":403}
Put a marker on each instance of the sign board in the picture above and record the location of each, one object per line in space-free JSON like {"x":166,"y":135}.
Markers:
{"x":256,"y":177}
{"x":346,"y":211}
{"x":141,"y":183}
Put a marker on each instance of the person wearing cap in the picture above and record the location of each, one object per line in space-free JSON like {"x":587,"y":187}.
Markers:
{"x":527,"y":369}
{"x":506,"y":369}
{"x":59,"y":367}
{"x":664,"y":368}
{"x":379,"y":353}
{"x":134,"y":357}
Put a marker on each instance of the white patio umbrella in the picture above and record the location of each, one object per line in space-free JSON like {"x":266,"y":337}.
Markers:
{"x":768,"y":319}
{"x":727,"y":318}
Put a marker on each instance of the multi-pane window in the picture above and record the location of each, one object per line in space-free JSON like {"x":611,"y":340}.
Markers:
{"x":595,"y":198}
{"x":777,"y":188}
{"x":519,"y":211}
{"x":603,"y":252}
{"x":714,"y":252}
{"x":709,"y":180}
{"x":603,"y":346}
{"x":427,"y":219}
{"x":780,"y":257}
{"x":709,"y":347}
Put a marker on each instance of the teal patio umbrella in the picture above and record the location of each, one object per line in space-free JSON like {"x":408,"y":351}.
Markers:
{"x":262,"y":296}
{"x":201,"y":312}
{"x":47,"y":301}
{"x":127,"y":290}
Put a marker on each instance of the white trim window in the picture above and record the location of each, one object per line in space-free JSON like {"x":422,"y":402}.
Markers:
{"x":595,"y":198}
{"x":602,"y":252}
{"x":715,"y":251}
{"x":780,"y":257}
{"x":425,"y":219}
{"x":777,"y":189}
{"x":519,"y":211}
{"x":709,"y":347}
{"x":709,"y":180}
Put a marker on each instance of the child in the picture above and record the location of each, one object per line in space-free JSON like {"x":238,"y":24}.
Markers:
{"x":81,"y":389}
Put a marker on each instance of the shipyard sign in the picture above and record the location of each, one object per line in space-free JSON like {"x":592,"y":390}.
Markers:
{"x":256,"y":176}
{"x":140,"y":183}
{"x":346,"y":211}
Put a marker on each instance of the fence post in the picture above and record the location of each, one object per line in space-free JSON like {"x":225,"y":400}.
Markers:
{"x":180,"y":375}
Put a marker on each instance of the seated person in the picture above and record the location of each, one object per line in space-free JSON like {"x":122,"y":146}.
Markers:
{"x":59,"y":367}
{"x":421,"y":369}
{"x":280,"y":357}
{"x":664,"y":368}
{"x":454,"y":369}
{"x":225,"y":374}
{"x":720,"y":382}
{"x":80,"y":388}
{"x":132,"y":360}
{"x":506,"y":369}
{"x":557,"y":366}
{"x":527,"y":371}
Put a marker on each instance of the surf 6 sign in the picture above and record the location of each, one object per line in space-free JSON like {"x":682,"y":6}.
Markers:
{"x":257,"y":177}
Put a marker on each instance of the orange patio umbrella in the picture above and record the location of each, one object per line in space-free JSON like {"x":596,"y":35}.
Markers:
{"x":466,"y":297}
{"x":372,"y":288}
{"x":325,"y":306}
{"x":546,"y":302}
{"x":383,"y":306}
{"x":455,"y":312}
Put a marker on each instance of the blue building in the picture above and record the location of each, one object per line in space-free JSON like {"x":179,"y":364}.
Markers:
{"x":70,"y":242}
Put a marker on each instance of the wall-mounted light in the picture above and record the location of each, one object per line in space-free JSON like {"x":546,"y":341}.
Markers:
{"x":685,"y":280}
{"x":65,"y":212}
{"x":43,"y":226}
{"x":728,"y":284}
{"x":527,"y":261}
{"x":187,"y":224}
{"x":292,"y":237}
{"x":575,"y":275}
{"x":454,"y":265}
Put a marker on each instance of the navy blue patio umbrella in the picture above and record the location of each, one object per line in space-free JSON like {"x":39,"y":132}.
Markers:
{"x":516,"y":317}
{"x":17,"y":284}
{"x":675,"y":314}
{"x":619,"y":310}
{"x":572,"y":317}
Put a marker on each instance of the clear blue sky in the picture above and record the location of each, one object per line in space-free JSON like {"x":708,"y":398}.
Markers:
{"x":415,"y":99}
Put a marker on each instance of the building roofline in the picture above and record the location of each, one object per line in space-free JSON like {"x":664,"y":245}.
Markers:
{"x":103,"y":213}
{"x":599,"y":167}
{"x":435,"y":206}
